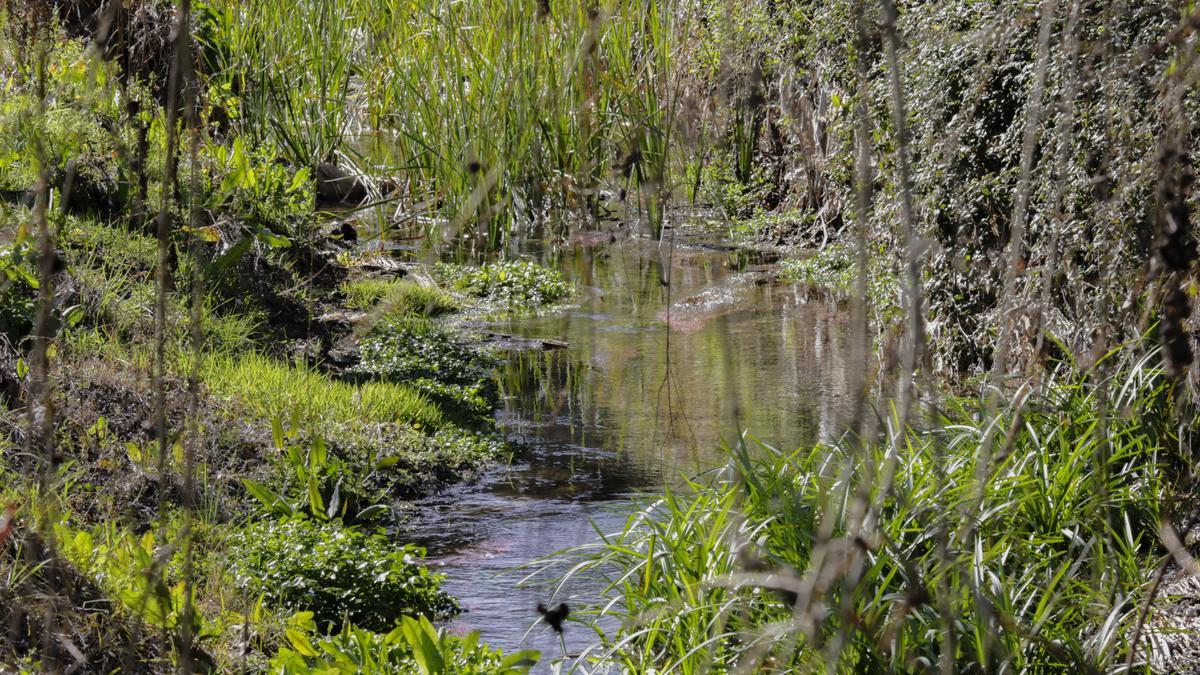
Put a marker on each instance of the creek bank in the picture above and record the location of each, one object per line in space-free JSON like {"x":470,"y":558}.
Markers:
{"x":289,"y":427}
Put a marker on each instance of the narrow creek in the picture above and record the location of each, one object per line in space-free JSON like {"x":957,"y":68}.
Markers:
{"x":633,"y":403}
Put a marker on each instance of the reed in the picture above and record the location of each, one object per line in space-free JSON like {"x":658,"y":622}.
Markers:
{"x":495,"y":111}
{"x":747,"y":568}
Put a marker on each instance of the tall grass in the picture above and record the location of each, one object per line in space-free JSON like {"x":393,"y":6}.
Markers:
{"x":496,"y":111}
{"x":755,"y":567}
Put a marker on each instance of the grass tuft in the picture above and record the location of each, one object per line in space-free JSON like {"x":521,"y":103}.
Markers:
{"x":269,"y":389}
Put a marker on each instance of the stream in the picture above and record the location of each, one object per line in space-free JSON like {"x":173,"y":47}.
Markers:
{"x":603,"y":422}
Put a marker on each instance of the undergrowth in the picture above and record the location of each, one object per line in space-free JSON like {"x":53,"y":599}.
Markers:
{"x":339,"y":574}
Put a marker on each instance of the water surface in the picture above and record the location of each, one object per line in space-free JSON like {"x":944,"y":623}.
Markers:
{"x":673,"y":349}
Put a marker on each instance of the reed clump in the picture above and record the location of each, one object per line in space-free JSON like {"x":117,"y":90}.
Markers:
{"x":814,"y":558}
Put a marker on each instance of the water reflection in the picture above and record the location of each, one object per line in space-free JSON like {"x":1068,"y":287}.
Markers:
{"x":672,"y":350}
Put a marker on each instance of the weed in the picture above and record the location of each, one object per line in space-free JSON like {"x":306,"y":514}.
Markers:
{"x":338,"y":574}
{"x":413,"y":646}
{"x":737,"y":572}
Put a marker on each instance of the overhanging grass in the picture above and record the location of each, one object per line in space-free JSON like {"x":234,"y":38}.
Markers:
{"x":1038,"y":560}
{"x":269,"y":389}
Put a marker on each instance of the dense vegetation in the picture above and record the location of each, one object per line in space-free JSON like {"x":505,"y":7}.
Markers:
{"x":218,"y":383}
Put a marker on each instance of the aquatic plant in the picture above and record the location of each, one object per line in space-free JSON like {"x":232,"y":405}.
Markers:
{"x":403,"y":350}
{"x":500,"y":109}
{"x":515,"y":284}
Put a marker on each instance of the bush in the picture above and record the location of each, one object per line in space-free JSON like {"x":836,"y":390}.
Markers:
{"x":833,"y":269}
{"x":337,"y":573}
{"x":434,"y":361}
{"x":514,"y":284}
{"x":404,"y":350}
{"x":18,"y":292}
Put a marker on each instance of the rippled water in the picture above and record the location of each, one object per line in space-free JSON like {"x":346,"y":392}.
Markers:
{"x":656,"y":376}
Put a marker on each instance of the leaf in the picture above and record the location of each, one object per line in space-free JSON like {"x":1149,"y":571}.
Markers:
{"x":269,"y":498}
{"x":271,"y":239}
{"x":335,"y":501}
{"x":387,"y":462}
{"x":300,"y":642}
{"x":99,"y":428}
{"x":425,"y":648}
{"x":318,"y":457}
{"x":242,"y":170}
{"x":300,"y":180}
{"x":371,"y":512}
{"x":73,"y":315}
{"x":302,"y":621}
{"x":277,"y":432}
{"x":521,"y":661}
{"x":210,"y":234}
{"x":316,"y":503}
{"x":228,"y":258}
{"x":22,"y":369}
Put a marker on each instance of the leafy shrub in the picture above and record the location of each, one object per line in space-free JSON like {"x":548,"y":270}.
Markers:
{"x":336,"y":573}
{"x":259,"y":189}
{"x":410,"y":463}
{"x":123,"y":566}
{"x":414,"y":646}
{"x":833,"y":269}
{"x":434,"y":361}
{"x":319,"y":486}
{"x":515,"y":284}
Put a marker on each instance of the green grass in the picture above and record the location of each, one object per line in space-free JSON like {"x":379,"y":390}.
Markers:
{"x":490,"y":106}
{"x":397,"y":296}
{"x":269,"y":389}
{"x":1038,"y":560}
